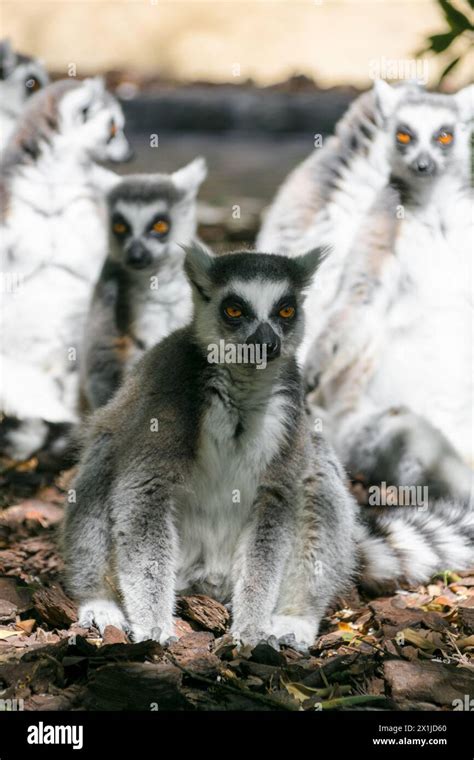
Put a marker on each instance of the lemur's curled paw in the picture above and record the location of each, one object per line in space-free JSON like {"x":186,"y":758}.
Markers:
{"x":253,"y":636}
{"x":283,"y":630}
{"x":294,"y":631}
{"x":162,"y":635}
{"x":101,"y":613}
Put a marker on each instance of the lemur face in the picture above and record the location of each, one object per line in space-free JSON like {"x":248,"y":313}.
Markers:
{"x":251,"y":299}
{"x":424,"y":139}
{"x":428,"y":133}
{"x":20,"y":76}
{"x":152,"y":216}
{"x":91,"y":119}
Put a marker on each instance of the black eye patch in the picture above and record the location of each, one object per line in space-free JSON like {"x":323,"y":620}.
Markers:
{"x":285,"y":311}
{"x":404,"y":136}
{"x":288,"y":300}
{"x":160,"y":226}
{"x":32,"y":84}
{"x":234,"y":309}
{"x":444,"y":137}
{"x":120,"y":226}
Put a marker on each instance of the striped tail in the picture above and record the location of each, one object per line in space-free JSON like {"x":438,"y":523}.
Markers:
{"x":413,"y":543}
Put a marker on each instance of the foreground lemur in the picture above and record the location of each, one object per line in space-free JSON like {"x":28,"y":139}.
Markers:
{"x":202,"y":474}
{"x":142,"y":293}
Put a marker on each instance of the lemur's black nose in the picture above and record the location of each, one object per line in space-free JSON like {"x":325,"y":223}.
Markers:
{"x":267,"y":338}
{"x":424,"y":164}
{"x":273,"y":348}
{"x":138,"y":256}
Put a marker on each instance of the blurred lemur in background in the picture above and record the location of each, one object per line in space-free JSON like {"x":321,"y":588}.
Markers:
{"x":363,"y":356}
{"x":323,"y":201}
{"x":20,"y":77}
{"x":393,"y":363}
{"x":142,"y":293}
{"x":53,"y":243}
{"x":203,"y":475}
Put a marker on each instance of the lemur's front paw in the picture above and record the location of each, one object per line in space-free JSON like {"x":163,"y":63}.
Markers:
{"x":155,"y":633}
{"x":101,"y":613}
{"x":297,"y":632}
{"x":249,"y":636}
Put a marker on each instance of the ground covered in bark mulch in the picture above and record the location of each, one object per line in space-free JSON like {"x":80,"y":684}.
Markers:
{"x":411,"y":649}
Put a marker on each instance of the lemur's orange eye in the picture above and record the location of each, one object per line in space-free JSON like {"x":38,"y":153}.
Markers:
{"x":287,"y":312}
{"x":113,"y":129}
{"x":161,"y":227}
{"x":445,"y":138}
{"x":119,"y":228}
{"x":233,"y":311}
{"x":403,"y":137}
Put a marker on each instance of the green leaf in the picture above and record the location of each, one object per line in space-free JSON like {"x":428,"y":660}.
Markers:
{"x":449,"y":68}
{"x":456,"y":20}
{"x":349,"y":635}
{"x":440,"y":42}
{"x":301,"y":692}
{"x":362,"y":699}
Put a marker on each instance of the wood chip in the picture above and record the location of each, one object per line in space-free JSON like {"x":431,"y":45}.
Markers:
{"x":206,"y":612}
{"x":136,"y":686}
{"x":55,"y":608}
{"x":8,"y":611}
{"x":113,"y":635}
{"x":427,"y":681}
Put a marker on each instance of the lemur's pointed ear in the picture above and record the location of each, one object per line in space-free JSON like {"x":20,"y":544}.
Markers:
{"x":309,"y":263}
{"x":190,"y":177}
{"x":197,"y":265}
{"x":99,"y":83}
{"x":386,"y":97}
{"x":465,"y":103}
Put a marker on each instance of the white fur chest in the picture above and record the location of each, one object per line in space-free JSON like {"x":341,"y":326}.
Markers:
{"x":216,"y":511}
{"x":54,"y":242}
{"x":157,"y":313}
{"x":427,"y":362}
{"x":57,"y":242}
{"x":57,"y":219}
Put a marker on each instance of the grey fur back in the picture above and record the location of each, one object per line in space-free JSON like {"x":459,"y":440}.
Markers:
{"x":311,"y":186}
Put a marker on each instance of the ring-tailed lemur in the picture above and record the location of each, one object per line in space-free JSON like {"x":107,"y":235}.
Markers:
{"x":393,"y":363}
{"x":323,"y":201}
{"x":202,"y":474}
{"x":53,"y":242}
{"x":142,"y":293}
{"x":20,"y":77}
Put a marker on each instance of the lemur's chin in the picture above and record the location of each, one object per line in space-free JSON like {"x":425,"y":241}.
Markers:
{"x":273,"y":357}
{"x":122,"y":158}
{"x":423,"y":174}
